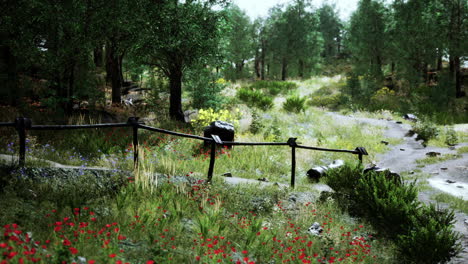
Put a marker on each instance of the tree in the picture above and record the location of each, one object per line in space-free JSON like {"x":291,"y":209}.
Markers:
{"x":240,"y":45}
{"x":367,"y":37}
{"x":330,"y":27}
{"x":293,"y":36}
{"x":176,"y":35}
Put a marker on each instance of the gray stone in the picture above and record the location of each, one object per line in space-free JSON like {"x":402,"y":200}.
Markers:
{"x":315,"y":229}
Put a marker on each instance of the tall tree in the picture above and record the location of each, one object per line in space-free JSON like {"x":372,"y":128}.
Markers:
{"x":178,"y":34}
{"x":330,"y":27}
{"x":293,"y":36}
{"x":240,"y":45}
{"x":367,"y":37}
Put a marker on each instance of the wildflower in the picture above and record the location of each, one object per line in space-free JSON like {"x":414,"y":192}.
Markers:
{"x":73,"y":250}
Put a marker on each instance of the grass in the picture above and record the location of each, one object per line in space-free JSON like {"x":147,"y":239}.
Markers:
{"x":437,"y":159}
{"x":183,"y":221}
{"x":462,"y":150}
{"x":456,"y":203}
{"x":169,"y":219}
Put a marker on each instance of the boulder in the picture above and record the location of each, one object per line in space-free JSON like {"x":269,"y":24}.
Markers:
{"x":224,"y":130}
{"x":391,"y":175}
{"x":410,"y":117}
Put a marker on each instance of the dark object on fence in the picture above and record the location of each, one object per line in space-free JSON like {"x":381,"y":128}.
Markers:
{"x":227,"y":174}
{"x":224,"y":130}
{"x":389,"y":174}
{"x":410,"y":117}
{"x":316,"y":173}
{"x":134,"y":122}
{"x":293,"y":144}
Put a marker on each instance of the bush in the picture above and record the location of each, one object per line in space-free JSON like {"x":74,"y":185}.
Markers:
{"x":205,"y":87}
{"x":426,"y":130}
{"x":430,"y":229}
{"x":394,"y":210}
{"x":256,"y":126}
{"x":255,"y":99}
{"x":273,"y":87}
{"x":294,"y":104}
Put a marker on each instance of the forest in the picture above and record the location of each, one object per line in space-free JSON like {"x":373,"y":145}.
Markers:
{"x":186,"y":131}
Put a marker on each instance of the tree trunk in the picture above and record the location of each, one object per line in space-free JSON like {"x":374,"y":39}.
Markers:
{"x":114,"y":73}
{"x":175,"y":100}
{"x":439,"y":63}
{"x":97,"y":54}
{"x":301,"y":69}
{"x":257,"y":64}
{"x":284,"y":69}
{"x":262,"y":60}
{"x":458,"y":84}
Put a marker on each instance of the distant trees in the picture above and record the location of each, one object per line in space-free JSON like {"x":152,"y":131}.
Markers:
{"x":409,"y":38}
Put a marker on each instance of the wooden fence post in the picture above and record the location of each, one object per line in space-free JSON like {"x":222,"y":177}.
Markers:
{"x":21,"y":124}
{"x":212,"y":160}
{"x":134,"y":122}
{"x":292,"y":143}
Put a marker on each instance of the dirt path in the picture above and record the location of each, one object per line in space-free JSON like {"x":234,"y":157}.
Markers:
{"x":449,"y":176}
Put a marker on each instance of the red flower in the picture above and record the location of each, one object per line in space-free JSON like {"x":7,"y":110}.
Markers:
{"x":150,"y":262}
{"x":91,"y":261}
{"x":245,"y":252}
{"x":73,"y":250}
{"x":112,"y":255}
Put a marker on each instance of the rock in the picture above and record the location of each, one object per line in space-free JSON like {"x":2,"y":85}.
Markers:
{"x":227,"y":174}
{"x":459,"y":186}
{"x":450,"y":181}
{"x":263,"y":179}
{"x":433,"y":154}
{"x":224,"y":130}
{"x":315,"y":229}
{"x":190,"y":115}
{"x":316,"y":173}
{"x":390,"y":175}
{"x":402,"y":149}
{"x":399,"y":122}
{"x":410,"y":117}
{"x":452,"y":148}
{"x":384,"y":142}
{"x":444,"y":169}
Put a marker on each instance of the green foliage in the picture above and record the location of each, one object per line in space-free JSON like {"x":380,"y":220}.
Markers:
{"x":204,"y":88}
{"x":326,"y":97}
{"x":431,"y":228}
{"x":394,"y":210}
{"x":425,"y":130}
{"x":451,"y":137}
{"x":273,"y":87}
{"x":255,"y":98}
{"x":257,"y":123}
{"x":206,"y":116}
{"x":295,"y":104}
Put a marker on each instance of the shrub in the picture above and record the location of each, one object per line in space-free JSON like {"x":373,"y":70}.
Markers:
{"x":330,"y":101}
{"x":206,"y":116}
{"x":294,"y":104}
{"x":426,"y":130}
{"x":256,"y":125}
{"x":255,"y":99}
{"x":205,"y":87}
{"x":273,"y":87}
{"x":394,"y":210}
{"x":430,"y":229}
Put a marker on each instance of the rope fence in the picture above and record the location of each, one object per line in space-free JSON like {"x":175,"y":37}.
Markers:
{"x":22,"y":124}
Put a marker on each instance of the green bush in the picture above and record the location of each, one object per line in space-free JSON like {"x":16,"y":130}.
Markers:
{"x":330,"y":101}
{"x":205,"y":88}
{"x":394,"y":210}
{"x":426,"y":130}
{"x":430,"y":229}
{"x":255,"y":98}
{"x":294,"y":104}
{"x":256,"y":126}
{"x":273,"y":87}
